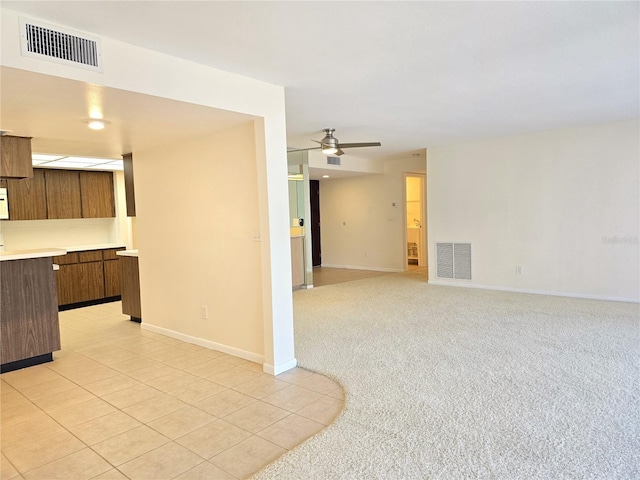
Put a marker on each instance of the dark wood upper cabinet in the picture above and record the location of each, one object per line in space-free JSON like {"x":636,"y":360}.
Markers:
{"x":129,"y":190}
{"x":27,"y":197}
{"x":96,"y":189}
{"x":63,"y":194}
{"x":15,"y":157}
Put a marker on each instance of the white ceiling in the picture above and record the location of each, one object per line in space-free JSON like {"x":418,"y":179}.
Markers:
{"x":408,"y":74}
{"x":54,"y":111}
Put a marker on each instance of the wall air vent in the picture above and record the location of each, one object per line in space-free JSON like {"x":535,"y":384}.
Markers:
{"x":453,"y":260}
{"x":333,"y":161}
{"x":60,"y":45}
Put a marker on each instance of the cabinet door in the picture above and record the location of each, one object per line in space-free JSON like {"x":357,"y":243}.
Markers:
{"x":63,"y":194}
{"x":80,"y":282}
{"x":69,"y":284}
{"x":97,"y":194}
{"x":27,"y":197}
{"x":16,"y":157}
{"x":112,"y":278}
{"x":93,"y":276}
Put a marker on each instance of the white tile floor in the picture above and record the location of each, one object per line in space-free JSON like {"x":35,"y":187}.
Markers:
{"x":120,"y":402}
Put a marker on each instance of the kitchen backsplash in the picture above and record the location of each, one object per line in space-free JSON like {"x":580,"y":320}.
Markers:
{"x":24,"y":235}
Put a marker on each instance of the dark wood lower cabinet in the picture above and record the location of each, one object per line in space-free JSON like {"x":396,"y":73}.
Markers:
{"x":90,"y":287}
{"x":84,"y":277}
{"x":112,"y":278}
{"x":131,"y":287}
{"x":28,"y":311}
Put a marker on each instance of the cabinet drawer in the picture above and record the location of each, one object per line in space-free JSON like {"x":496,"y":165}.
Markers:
{"x":66,"y":259}
{"x":110,"y":254}
{"x":90,"y":256}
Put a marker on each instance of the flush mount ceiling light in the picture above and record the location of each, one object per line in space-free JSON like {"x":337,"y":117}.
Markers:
{"x":95,"y":124}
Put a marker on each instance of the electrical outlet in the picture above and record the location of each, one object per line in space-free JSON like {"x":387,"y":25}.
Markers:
{"x":204,"y":312}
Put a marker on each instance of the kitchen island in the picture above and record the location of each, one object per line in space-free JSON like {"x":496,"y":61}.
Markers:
{"x":30,"y":331}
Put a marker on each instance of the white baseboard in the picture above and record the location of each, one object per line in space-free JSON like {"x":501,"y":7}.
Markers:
{"x":359,"y":267}
{"x":535,"y":292}
{"x":236,"y":352}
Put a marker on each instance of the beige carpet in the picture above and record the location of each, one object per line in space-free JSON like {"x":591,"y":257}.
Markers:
{"x":452,"y":383}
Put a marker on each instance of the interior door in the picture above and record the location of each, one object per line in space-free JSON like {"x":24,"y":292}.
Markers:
{"x":316,"y":254}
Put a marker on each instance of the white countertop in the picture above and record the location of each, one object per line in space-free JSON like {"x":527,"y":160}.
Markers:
{"x":33,"y":253}
{"x":127,"y":253}
{"x":104,"y":246}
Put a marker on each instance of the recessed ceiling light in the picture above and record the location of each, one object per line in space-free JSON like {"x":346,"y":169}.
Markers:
{"x":97,"y":124}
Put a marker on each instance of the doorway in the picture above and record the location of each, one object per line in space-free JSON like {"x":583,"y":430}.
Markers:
{"x":416,"y":221}
{"x":314,"y":194}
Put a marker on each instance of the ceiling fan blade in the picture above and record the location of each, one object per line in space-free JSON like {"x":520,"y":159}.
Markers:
{"x":302,"y":149}
{"x":354,"y":145}
{"x":317,"y":141}
{"x":339,"y":152}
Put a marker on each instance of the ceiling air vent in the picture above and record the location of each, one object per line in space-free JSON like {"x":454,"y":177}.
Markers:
{"x":60,"y":45}
{"x":333,"y":161}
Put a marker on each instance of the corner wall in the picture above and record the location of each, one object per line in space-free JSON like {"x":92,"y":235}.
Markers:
{"x":197,"y":216}
{"x":562,"y":205}
{"x":178,"y":79}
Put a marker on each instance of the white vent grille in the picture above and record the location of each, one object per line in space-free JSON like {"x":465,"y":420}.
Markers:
{"x":59,"y":45}
{"x":333,"y":160}
{"x":453,"y":260}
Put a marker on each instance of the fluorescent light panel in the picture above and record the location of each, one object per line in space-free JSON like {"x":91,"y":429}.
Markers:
{"x":58,"y":161}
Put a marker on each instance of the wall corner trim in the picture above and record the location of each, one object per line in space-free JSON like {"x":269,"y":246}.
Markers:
{"x":278,"y":369}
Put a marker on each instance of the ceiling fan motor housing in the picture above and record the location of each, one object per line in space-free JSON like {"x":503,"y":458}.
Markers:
{"x":329,"y":142}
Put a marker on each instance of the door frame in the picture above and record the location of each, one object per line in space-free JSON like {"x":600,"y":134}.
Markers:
{"x":424,"y":251}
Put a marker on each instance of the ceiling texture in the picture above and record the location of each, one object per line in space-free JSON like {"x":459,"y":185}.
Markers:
{"x":408,"y":74}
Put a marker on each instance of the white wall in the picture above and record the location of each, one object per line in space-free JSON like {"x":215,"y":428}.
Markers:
{"x":563,"y":205}
{"x":360,"y":226}
{"x":59,"y":233}
{"x":198,"y":249}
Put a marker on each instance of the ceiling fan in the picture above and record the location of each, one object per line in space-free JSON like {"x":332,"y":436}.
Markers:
{"x":330,"y":145}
